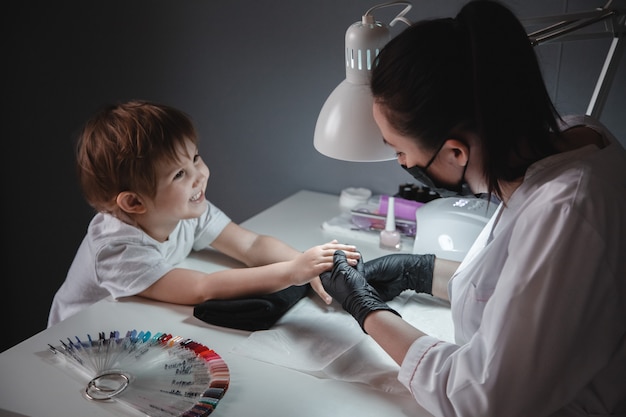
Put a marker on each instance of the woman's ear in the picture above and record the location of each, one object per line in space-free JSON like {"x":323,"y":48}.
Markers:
{"x":456,"y":152}
{"x":130,"y":202}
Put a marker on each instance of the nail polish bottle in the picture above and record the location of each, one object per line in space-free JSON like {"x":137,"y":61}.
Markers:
{"x":390,"y":237}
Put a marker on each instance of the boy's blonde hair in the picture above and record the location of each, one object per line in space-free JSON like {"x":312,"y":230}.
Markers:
{"x":119,"y":148}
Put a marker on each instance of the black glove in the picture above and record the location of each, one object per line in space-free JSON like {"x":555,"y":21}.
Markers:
{"x":349,"y":287}
{"x":392,"y":274}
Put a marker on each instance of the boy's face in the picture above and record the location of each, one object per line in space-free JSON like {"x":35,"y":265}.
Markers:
{"x":181,"y":186}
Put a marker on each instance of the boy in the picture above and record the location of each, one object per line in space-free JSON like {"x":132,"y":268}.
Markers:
{"x":139,"y":168}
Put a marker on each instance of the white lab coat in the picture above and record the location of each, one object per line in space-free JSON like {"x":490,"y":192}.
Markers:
{"x":538,"y":304}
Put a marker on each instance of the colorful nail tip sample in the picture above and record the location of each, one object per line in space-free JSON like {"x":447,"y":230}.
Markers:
{"x":158,"y":374}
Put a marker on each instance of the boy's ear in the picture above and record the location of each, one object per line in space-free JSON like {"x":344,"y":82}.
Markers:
{"x":130,"y":202}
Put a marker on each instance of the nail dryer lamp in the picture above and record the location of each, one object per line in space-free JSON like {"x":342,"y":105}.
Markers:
{"x":447,"y":227}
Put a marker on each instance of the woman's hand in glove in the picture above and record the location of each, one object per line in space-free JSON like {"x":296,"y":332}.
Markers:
{"x":349,"y":287}
{"x":392,"y":274}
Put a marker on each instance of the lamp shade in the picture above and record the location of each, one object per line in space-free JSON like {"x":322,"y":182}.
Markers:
{"x":345,"y":127}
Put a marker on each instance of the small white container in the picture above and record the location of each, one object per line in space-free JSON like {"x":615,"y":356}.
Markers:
{"x":352,"y":197}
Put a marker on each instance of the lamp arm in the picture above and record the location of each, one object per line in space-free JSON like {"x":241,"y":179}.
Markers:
{"x":607,"y":74}
{"x":400,"y":16}
{"x":569,"y":23}
{"x":567,"y":26}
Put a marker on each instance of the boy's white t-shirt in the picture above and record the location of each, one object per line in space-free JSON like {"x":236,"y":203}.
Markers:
{"x":121,"y":260}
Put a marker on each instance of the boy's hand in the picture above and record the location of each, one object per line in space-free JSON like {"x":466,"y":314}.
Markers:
{"x":316,"y":284}
{"x":311,"y":263}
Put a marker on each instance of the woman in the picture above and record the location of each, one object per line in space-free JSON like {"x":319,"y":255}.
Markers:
{"x":538,"y":303}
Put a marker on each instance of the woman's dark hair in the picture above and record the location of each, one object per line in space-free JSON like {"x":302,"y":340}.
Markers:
{"x":476,"y":72}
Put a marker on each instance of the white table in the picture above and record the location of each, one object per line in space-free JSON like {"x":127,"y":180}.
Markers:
{"x":34,"y":384}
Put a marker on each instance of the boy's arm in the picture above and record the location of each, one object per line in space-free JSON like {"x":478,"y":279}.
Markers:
{"x":253,"y":250}
{"x":190,"y":287}
{"x":250,"y":248}
{"x":273,"y":266}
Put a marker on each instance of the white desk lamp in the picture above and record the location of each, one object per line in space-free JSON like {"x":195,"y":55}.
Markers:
{"x":345,"y":127}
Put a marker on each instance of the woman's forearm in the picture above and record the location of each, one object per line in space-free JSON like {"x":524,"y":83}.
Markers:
{"x":392,"y":333}
{"x":443,"y":271}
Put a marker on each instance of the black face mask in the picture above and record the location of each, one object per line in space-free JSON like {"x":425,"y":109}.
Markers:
{"x":421,"y":176}
{"x":418,"y":173}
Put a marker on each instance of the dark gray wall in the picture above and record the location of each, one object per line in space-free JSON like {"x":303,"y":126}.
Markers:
{"x":252,"y":74}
